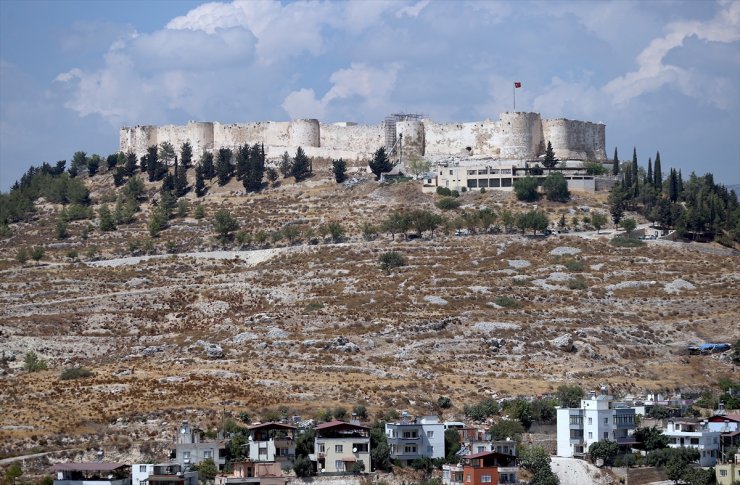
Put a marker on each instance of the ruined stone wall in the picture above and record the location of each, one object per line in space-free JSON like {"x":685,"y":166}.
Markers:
{"x":413,"y":137}
{"x":582,"y":140}
{"x":360,"y":138}
{"x":272,"y":133}
{"x":137,"y":138}
{"x":521,"y":135}
{"x":448,"y":138}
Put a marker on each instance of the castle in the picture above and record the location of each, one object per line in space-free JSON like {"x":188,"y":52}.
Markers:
{"x":515,"y":136}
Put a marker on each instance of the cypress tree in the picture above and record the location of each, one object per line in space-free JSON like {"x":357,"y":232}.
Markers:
{"x":130,"y":167}
{"x":200,"y":186}
{"x":635,"y":172}
{"x":186,"y":155}
{"x":206,"y":161}
{"x":242,"y":161}
{"x":615,"y":163}
{"x":649,"y":177}
{"x":301,"y":165}
{"x":657,"y":175}
{"x":181,"y":180}
{"x":152,"y":162}
{"x":223,"y":166}
{"x":673,"y":186}
{"x":680,"y":185}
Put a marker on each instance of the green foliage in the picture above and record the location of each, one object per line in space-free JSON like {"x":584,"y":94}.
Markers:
{"x":286,"y":165}
{"x":304,"y":443}
{"x":224,"y":166}
{"x":107,"y":222}
{"x":417,"y":166}
{"x":253,"y":163}
{"x":549,"y":161}
{"x":481,"y":410}
{"x":380,"y":163}
{"x":526,"y":189}
{"x":521,"y":410}
{"x":606,"y":450}
{"x":651,"y":438}
{"x":556,"y":188}
{"x":71,"y":373}
{"x":335,"y":230}
{"x":33,"y":363}
{"x":272,"y":175}
{"x":507,"y":428}
{"x":61,"y":230}
{"x":93,"y":164}
{"x":598,"y":220}
{"x":423,"y":221}
{"x":595,"y":168}
{"x":397,"y":223}
{"x":357,"y":467}
{"x":158,"y":222}
{"x":207,"y":166}
{"x":21,"y":255}
{"x":628,"y":225}
{"x":360,"y":411}
{"x":535,"y":220}
{"x":36,"y":253}
{"x":624,"y":242}
{"x":569,"y":396}
{"x":380,"y":453}
{"x":199,"y":212}
{"x":301,"y":166}
{"x":444,"y":402}
{"x":537,"y":461}
{"x":340,"y":412}
{"x":12,"y":472}
{"x":447,"y":203}
{"x":452,"y":444}
{"x":206,"y":469}
{"x":339,"y":169}
{"x":507,"y":302}
{"x":662,"y":456}
{"x":369,"y":231}
{"x":224,"y":225}
{"x":574,"y":265}
{"x":390,"y":260}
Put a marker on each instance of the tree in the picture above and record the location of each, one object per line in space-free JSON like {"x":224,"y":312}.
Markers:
{"x":152,"y":163}
{"x":224,"y":225}
{"x":206,"y":163}
{"x":37,"y":252}
{"x":629,"y":225}
{"x":13,"y":471}
{"x":207,"y":469}
{"x":380,"y":163}
{"x":181,"y":180}
{"x":157,"y":222}
{"x":33,"y":363}
{"x":336,"y":231}
{"x":452,"y":444}
{"x":390,"y":260}
{"x":616,"y":202}
{"x":360,"y":411}
{"x":118,"y":176}
{"x":651,"y":438}
{"x":186,"y":155}
{"x":418,"y":165}
{"x":444,"y":402}
{"x":615,"y":163}
{"x":61,"y":229}
{"x":79,"y":162}
{"x":130,"y":167}
{"x":301,"y":167}
{"x":521,"y":410}
{"x":286,"y":165}
{"x":536,"y":460}
{"x":224,"y":167}
{"x":657,"y":174}
{"x":93,"y":164}
{"x":675,"y":469}
{"x":200,"y":185}
{"x":107,"y":222}
{"x":598,"y":220}
{"x":397,"y":223}
{"x":339,"y":168}
{"x":272,"y":175}
{"x":380,"y":453}
{"x":133,"y":189}
{"x":605,"y":449}
{"x":507,"y":219}
{"x":166,"y":152}
{"x":22,"y":255}
{"x":526,"y":189}
{"x":507,"y":428}
{"x":447,"y":203}
{"x":569,"y":396}
{"x":481,"y":410}
{"x":549,"y":161}
{"x":556,"y":188}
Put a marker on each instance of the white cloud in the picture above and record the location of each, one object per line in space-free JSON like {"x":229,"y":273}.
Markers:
{"x":413,"y":10}
{"x":653,"y":72}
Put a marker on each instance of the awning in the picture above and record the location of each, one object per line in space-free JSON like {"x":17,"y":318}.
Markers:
{"x":349,"y":458}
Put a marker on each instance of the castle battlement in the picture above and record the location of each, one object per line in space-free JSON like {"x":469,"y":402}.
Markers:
{"x":515,"y":136}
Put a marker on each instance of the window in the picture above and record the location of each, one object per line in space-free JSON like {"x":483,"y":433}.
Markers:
{"x":485,"y":478}
{"x":142,"y":468}
{"x":578,"y":420}
{"x":590,"y":421}
{"x":339,"y":465}
{"x":606,"y":420}
{"x":590,"y":435}
{"x":606,"y":435}
{"x":410,"y":435}
{"x":408,"y":449}
{"x":450,"y":172}
{"x":207,"y":454}
{"x":576,"y":434}
{"x":360,"y":447}
{"x":723,"y":473}
{"x":185,"y":455}
{"x":430,"y":434}
{"x":468,"y":479}
{"x":481,"y":449}
{"x":338,"y":448}
{"x":321,"y":448}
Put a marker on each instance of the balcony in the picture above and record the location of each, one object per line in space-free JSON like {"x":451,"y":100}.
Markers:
{"x":508,"y":469}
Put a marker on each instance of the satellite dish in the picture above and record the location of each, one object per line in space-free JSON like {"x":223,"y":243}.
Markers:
{"x":354,"y":450}
{"x":182,"y":430}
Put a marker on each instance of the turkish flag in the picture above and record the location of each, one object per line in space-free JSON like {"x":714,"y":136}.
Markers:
{"x":517,"y":84}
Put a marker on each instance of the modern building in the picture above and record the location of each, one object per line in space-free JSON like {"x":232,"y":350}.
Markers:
{"x":338,"y":446}
{"x":410,"y":440}
{"x":190,"y":449}
{"x":91,"y":474}
{"x":684,"y":433}
{"x":728,"y":473}
{"x":481,"y":468}
{"x":162,"y":474}
{"x":474,"y":440}
{"x":249,"y":472}
{"x":598,"y":418}
{"x":272,"y":442}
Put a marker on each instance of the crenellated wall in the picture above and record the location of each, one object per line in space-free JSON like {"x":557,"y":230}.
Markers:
{"x":516,"y":136}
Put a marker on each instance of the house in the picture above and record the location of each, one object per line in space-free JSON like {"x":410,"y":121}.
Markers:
{"x":728,"y":473}
{"x":685,"y":433}
{"x":598,"y":418}
{"x":729,"y":427}
{"x":481,"y":468}
{"x":338,"y":446}
{"x":474,"y":440}
{"x":410,"y":440}
{"x":249,"y":472}
{"x":190,"y":449}
{"x":272,"y":442}
{"x":91,"y":474}
{"x":162,"y":474}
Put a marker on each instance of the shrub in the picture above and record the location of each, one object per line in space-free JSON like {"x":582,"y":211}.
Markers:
{"x":481,"y":410}
{"x":526,"y":189}
{"x":22,"y":255}
{"x":444,"y":402}
{"x":574,"y":265}
{"x":443,"y":191}
{"x":199,"y":212}
{"x":507,"y":302}
{"x":482,"y":190}
{"x":72,"y":254}
{"x":577,"y":284}
{"x":464,"y":189}
{"x":390,"y":260}
{"x":507,"y":428}
{"x":556,"y":187}
{"x":336,"y":231}
{"x":37,"y":253}
{"x":357,"y":467}
{"x":303,"y":467}
{"x":33,"y":363}
{"x":71,"y":373}
{"x":606,"y":450}
{"x":625,"y":242}
{"x":447,"y":203}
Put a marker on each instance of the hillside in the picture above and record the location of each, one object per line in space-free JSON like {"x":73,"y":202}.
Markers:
{"x":311,"y":324}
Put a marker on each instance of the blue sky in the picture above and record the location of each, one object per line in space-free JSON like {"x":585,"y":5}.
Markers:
{"x":661,"y":75}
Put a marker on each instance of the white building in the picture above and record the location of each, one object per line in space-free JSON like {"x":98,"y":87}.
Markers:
{"x":598,"y":418}
{"x":413,"y":439}
{"x":162,"y":474}
{"x":691,"y":434}
{"x":272,"y":442}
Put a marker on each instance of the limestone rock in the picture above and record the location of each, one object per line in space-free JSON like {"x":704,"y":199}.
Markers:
{"x":563,"y":342}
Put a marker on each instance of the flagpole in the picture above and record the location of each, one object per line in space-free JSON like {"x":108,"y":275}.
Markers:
{"x":514,"y":91}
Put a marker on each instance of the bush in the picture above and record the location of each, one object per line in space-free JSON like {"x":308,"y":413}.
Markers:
{"x":37,"y":253}
{"x":507,"y":302}
{"x":482,"y":190}
{"x":481,"y":410}
{"x":71,"y":373}
{"x":447,"y":203}
{"x":507,"y":428}
{"x":22,"y":255}
{"x":577,"y":283}
{"x":526,"y":189}
{"x":303,"y":467}
{"x":33,"y":363}
{"x":556,"y":188}
{"x":444,"y":402}
{"x":574,"y":265}
{"x":464,"y":189}
{"x":443,"y":191}
{"x":606,"y":450}
{"x":390,"y":260}
{"x":625,"y":242}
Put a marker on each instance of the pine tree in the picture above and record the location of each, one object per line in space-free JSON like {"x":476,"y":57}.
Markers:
{"x":242,"y":161}
{"x":166,"y":153}
{"x":657,"y":175}
{"x":107,"y":223}
{"x":181,"y":181}
{"x":301,"y":165}
{"x":286,"y":165}
{"x":186,"y":155}
{"x":168,"y":183}
{"x":255,"y":169}
{"x":380,"y":163}
{"x":118,"y":176}
{"x":152,"y":161}
{"x":130,"y":166}
{"x":649,"y":177}
{"x":615,"y":163}
{"x":206,"y":162}
{"x":224,"y":168}
{"x":549,"y":161}
{"x":200,"y":186}
{"x":339,"y":168}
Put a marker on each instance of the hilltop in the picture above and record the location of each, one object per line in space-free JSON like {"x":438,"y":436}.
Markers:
{"x":185,"y":322}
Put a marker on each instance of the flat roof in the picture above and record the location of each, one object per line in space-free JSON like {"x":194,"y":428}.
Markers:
{"x":271,"y":425}
{"x":336,"y":424}
{"x":87,"y":467}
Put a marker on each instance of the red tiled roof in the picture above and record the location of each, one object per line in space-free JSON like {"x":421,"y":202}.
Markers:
{"x":87,"y":467}
{"x":272,"y":426}
{"x":718,"y":418}
{"x":484,"y":454}
{"x":339,"y":424}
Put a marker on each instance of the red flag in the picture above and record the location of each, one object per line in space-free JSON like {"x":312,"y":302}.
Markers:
{"x":517,"y":84}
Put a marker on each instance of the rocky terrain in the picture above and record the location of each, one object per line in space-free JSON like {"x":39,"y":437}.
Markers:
{"x":311,"y":326}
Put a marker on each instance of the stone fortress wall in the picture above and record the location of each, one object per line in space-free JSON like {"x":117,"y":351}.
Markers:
{"x":516,"y":136}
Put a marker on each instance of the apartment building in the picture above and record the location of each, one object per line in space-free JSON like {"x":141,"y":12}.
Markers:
{"x":410,"y":440}
{"x":339,"y":446}
{"x":191,"y":449}
{"x":272,"y":442}
{"x":481,"y":468}
{"x":685,"y":433}
{"x":162,"y":474}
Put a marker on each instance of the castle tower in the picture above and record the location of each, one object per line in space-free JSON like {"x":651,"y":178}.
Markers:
{"x":521,"y":135}
{"x":200,"y":136}
{"x":413,"y":137}
{"x":304,"y":133}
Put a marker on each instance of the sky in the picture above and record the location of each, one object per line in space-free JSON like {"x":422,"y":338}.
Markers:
{"x":662,"y":75}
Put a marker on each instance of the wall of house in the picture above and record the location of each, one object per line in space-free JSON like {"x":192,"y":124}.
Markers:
{"x":331,"y":455}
